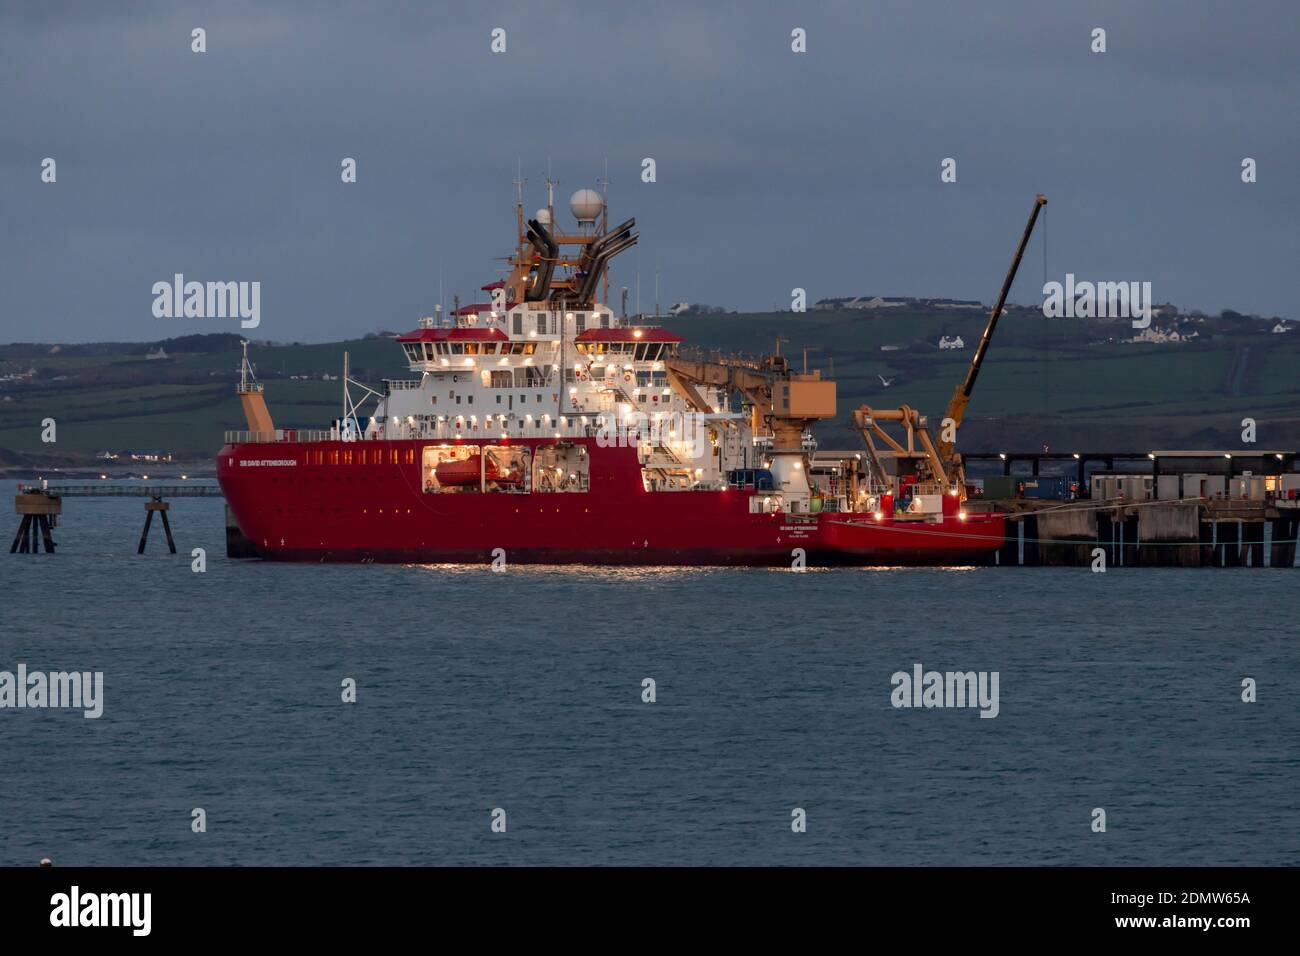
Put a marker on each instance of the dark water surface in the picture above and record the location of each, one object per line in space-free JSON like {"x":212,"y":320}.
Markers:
{"x":523,"y":691}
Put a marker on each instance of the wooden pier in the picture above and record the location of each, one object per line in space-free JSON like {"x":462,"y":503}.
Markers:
{"x":40,"y":505}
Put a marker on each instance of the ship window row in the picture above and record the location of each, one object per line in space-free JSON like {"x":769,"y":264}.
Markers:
{"x":359,"y":456}
{"x":639,"y":351}
{"x":429,"y":351}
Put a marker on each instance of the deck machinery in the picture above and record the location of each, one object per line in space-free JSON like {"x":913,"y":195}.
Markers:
{"x":927,"y":466}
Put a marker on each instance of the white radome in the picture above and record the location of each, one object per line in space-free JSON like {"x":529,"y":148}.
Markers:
{"x":586,"y":205}
{"x":544,"y":217}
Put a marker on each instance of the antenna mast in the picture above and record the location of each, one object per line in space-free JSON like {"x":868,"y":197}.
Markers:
{"x":604,"y":226}
{"x":519,"y":182}
{"x":550,"y":194}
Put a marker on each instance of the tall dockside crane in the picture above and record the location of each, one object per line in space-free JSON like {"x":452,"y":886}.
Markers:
{"x":938,"y":465}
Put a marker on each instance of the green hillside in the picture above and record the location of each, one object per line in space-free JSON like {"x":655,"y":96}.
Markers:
{"x":1067,"y":383}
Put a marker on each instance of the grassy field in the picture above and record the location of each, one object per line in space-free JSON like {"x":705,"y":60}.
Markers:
{"x":1063,"y":383}
{"x":1044,"y":382}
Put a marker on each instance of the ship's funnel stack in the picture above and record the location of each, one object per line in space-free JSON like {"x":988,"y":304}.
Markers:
{"x":548,"y":254}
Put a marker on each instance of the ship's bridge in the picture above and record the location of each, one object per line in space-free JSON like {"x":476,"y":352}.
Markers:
{"x":532,"y":329}
{"x":627,"y":344}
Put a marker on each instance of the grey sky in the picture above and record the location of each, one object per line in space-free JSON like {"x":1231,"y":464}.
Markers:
{"x":775,"y":170}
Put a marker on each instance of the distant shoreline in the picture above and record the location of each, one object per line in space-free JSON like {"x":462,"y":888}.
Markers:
{"x":191,"y":469}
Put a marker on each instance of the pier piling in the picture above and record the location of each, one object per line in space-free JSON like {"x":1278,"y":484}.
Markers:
{"x":159,"y":506}
{"x":37,"y":511}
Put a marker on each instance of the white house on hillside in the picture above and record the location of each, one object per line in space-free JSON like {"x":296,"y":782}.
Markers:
{"x":952,"y":343}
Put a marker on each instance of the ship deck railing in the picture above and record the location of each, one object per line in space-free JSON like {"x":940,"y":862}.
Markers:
{"x":445,"y":431}
{"x":401,"y":384}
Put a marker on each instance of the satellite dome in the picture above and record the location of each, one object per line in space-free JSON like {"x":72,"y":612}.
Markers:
{"x":544,"y":217}
{"x":586,"y":205}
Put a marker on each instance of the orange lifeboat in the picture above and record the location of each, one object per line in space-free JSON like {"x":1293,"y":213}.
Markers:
{"x":465,"y":471}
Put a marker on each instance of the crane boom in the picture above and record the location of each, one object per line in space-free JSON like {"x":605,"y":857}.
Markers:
{"x":786,"y":402}
{"x":961,"y":395}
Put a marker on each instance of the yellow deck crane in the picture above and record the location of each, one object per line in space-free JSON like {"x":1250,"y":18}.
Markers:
{"x":937,"y":467}
{"x":785,"y":404}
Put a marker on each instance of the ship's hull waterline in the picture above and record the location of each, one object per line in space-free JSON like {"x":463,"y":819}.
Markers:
{"x":293,"y":508}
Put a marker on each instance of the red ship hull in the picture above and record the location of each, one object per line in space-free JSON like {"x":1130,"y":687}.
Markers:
{"x":364,"y":501}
